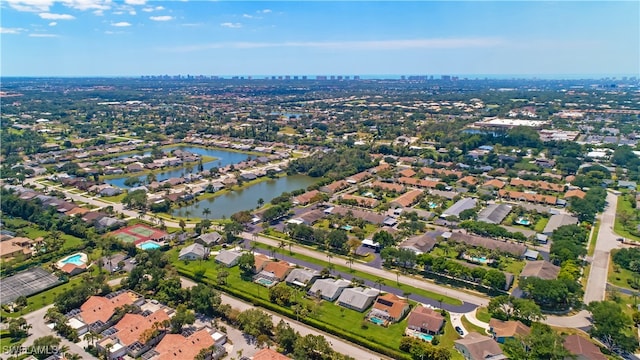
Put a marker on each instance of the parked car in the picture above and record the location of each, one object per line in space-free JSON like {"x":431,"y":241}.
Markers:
{"x":459,"y":330}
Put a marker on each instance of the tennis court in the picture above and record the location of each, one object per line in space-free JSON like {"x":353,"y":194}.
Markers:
{"x":141,"y":230}
{"x":26,"y":283}
{"x":126,"y":237}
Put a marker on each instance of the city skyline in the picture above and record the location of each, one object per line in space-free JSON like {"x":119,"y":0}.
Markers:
{"x":482,"y":39}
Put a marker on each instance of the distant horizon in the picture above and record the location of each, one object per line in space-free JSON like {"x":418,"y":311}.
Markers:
{"x":460,"y":77}
{"x":124,"y":38}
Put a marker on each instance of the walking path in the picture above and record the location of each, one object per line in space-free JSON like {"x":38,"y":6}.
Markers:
{"x":471,"y":316}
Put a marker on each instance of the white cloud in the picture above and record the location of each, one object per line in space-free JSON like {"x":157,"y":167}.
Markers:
{"x":121,"y":24}
{"x":53,"y":23}
{"x":152,"y":9}
{"x":435,"y":43}
{"x":231,"y":25}
{"x":13,"y":31}
{"x":247,"y":16}
{"x":135,"y":2}
{"x":31,"y":5}
{"x":132,"y":12}
{"x":98,"y":12}
{"x":265,"y":11}
{"x":161,"y":18}
{"x":50,"y":16}
{"x":43,"y":35}
{"x":45,"y":5}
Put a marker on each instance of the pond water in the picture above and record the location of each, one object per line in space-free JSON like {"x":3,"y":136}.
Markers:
{"x":223,"y":158}
{"x":245,"y":199}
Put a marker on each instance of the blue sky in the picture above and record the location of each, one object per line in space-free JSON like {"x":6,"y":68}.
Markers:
{"x":138,"y":37}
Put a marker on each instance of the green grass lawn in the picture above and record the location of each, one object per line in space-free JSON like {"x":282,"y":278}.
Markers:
{"x":6,"y":342}
{"x":625,"y":206}
{"x":336,"y":261}
{"x":540,"y":225}
{"x":114,"y":199}
{"x":594,"y":239}
{"x":621,"y":277}
{"x":471,"y":327}
{"x":483,"y":314}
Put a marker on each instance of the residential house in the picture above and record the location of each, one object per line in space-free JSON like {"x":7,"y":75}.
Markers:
{"x":334,"y":187}
{"x":328,"y":289}
{"x":502,"y":330}
{"x":392,"y":307}
{"x":493,"y":184}
{"x":276,"y":270}
{"x":430,"y":184}
{"x":515,"y":249}
{"x":407,"y":173}
{"x":494,"y":213}
{"x":467,"y":180}
{"x":425,"y":320}
{"x":541,"y":269}
{"x":302,"y":277}
{"x":269,"y":354}
{"x":575,"y":193}
{"x":194,"y":251}
{"x":358,"y":299}
{"x":422,"y":243}
{"x":260,"y":261}
{"x":178,"y":346}
{"x":392,"y":187}
{"x":557,"y":221}
{"x":132,"y":334}
{"x":356,"y":178}
{"x":529,"y":197}
{"x":361,"y":200}
{"x":306,"y":198}
{"x":97,"y":310}
{"x":407,"y":199}
{"x":458,"y":207}
{"x":228,"y":258}
{"x":73,"y":269}
{"x":15,"y":247}
{"x":209,"y":239}
{"x":582,"y":348}
{"x":479,"y":347}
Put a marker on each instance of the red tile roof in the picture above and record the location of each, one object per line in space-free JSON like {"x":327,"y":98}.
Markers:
{"x":268,"y":354}
{"x":392,"y":305}
{"x":132,"y":326}
{"x":175,"y":346}
{"x":100,"y":308}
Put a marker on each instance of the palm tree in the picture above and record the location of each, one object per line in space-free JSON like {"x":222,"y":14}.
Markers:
{"x":206,"y":212}
{"x":379,"y":282}
{"x":350,"y":261}
{"x":282,"y":244}
{"x":329,"y":256}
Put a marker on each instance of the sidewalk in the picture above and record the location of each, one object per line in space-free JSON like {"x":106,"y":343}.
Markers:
{"x":471,"y":316}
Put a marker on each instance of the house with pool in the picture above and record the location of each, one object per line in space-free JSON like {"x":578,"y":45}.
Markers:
{"x":424,"y":322}
{"x":73,"y":264}
{"x":388,"y":308}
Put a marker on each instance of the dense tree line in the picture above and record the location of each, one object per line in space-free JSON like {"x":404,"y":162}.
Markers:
{"x":568,"y":243}
{"x":492,"y":278}
{"x":333,"y":164}
{"x":627,"y":258}
{"x":491,"y":230}
{"x":592,"y":203}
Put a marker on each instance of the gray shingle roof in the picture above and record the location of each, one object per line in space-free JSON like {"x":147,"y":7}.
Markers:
{"x":494,"y":213}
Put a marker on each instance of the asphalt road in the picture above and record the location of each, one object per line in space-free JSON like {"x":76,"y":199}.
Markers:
{"x":40,"y":329}
{"x":470,"y":301}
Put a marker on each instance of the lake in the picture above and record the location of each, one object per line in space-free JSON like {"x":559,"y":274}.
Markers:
{"x":223,"y":158}
{"x":245,"y":199}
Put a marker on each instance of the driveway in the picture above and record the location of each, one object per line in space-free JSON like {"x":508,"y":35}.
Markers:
{"x":40,"y":329}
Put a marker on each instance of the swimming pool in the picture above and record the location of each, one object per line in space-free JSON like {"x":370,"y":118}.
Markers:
{"x":479,"y":259}
{"x":149,"y":245}
{"x":424,"y":337}
{"x":432,"y":205}
{"x":523,"y":221}
{"x":347,"y":227}
{"x":74,"y":259}
{"x":377,"y":320}
{"x":265,"y":282}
